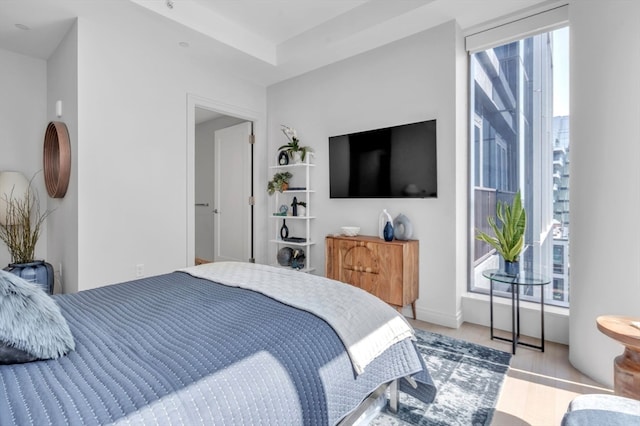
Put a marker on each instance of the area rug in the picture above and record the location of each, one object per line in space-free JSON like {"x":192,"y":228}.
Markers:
{"x":468,"y":378}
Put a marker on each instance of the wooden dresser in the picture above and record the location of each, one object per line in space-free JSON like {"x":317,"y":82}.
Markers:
{"x":386,"y":269}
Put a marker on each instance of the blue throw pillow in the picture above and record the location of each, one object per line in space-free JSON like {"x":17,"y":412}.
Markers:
{"x":31,"y":324}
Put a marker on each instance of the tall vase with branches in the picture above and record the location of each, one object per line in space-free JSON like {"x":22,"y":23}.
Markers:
{"x":20,"y":231}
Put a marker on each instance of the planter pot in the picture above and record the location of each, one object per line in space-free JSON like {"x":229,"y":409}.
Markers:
{"x":38,"y":272}
{"x":512,"y":268}
{"x":296,"y":157}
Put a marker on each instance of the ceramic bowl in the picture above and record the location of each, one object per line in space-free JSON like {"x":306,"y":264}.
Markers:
{"x":350,"y":231}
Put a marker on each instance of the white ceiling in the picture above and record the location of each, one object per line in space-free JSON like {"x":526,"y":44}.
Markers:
{"x":264,"y":41}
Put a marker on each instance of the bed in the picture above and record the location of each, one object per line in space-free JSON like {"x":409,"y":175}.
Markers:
{"x":214,"y":344}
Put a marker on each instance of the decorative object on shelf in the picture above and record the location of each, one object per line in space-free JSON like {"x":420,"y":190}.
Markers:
{"x":20,"y":226}
{"x":57,"y":159}
{"x":283,"y":158}
{"x":285,"y":256}
{"x":284,"y":231}
{"x":302,"y":208}
{"x":350,"y":231}
{"x":280,"y":182}
{"x":284,"y":209}
{"x":297,"y":262}
{"x":508,"y":240}
{"x":294,"y":150}
{"x":295,"y":239}
{"x":298,"y":207}
{"x":402,"y":228}
{"x":385,"y":226}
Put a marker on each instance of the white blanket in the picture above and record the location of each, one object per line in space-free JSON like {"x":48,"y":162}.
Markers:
{"x":366,"y":325}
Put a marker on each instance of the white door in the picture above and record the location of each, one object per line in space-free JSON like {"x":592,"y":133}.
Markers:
{"x":231,"y":209}
{"x":204,"y":178}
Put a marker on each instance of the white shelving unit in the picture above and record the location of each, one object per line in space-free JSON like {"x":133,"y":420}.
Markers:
{"x":299,"y":226}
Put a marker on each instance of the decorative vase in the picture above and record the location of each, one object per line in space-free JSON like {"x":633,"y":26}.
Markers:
{"x":402,"y":228}
{"x":285,"y":256}
{"x":302,"y":211}
{"x":38,"y":272}
{"x":296,"y":157}
{"x":388,"y":231}
{"x":284,"y":230}
{"x":383,"y":219}
{"x":512,"y":268}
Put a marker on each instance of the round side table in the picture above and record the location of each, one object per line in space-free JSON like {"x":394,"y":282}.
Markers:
{"x":626,"y":370}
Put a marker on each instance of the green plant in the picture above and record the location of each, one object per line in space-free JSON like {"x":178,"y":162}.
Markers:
{"x":508,"y":240}
{"x":294,"y":144}
{"x":279,"y":183}
{"x":23,"y":225}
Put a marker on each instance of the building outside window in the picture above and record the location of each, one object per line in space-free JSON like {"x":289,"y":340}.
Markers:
{"x":520,"y":141}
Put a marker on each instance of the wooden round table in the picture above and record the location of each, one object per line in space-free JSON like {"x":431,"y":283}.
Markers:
{"x":626,"y":370}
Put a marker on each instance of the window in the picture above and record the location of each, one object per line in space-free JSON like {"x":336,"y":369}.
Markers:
{"x":520,"y":141}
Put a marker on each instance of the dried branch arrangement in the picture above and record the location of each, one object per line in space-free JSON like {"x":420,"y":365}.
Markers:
{"x":23,"y":226}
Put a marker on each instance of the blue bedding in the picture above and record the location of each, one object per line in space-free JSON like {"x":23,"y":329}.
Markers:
{"x":175,"y":349}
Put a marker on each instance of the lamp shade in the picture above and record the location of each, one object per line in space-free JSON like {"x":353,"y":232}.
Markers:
{"x":13,"y":185}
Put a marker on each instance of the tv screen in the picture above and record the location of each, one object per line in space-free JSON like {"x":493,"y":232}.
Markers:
{"x":393,"y":162}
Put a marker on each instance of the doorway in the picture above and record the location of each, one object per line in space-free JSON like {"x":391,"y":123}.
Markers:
{"x":221,"y":177}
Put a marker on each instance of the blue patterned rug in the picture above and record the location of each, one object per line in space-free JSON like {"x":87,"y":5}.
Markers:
{"x":468,"y":378}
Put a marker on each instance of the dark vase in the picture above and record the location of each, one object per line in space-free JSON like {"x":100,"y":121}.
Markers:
{"x":38,"y":272}
{"x":511,"y":268}
{"x":388,"y":232}
{"x":284,"y":230}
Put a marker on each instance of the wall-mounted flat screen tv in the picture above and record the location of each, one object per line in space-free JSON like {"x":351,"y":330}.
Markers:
{"x":393,"y":162}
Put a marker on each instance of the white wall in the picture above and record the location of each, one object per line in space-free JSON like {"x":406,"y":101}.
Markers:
{"x":410,"y":80}
{"x":132,"y":150}
{"x":23,"y":90}
{"x":62,"y":77}
{"x":605,"y":177}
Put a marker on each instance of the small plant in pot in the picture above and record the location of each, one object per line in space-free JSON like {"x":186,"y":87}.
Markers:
{"x":20,"y":228}
{"x":293,"y":149}
{"x":508,"y":239}
{"x":280,"y":182}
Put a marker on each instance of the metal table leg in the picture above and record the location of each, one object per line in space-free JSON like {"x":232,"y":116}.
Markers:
{"x":491,"y":305}
{"x":514,"y":342}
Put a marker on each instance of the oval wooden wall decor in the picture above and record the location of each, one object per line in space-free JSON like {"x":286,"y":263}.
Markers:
{"x":57,"y":159}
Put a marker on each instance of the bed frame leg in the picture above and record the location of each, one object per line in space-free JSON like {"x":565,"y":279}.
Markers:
{"x":394,"y":396}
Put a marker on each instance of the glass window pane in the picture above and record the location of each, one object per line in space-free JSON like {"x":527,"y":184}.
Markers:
{"x":520,"y":96}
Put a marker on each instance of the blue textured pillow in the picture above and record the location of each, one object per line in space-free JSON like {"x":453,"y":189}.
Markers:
{"x":31,"y":324}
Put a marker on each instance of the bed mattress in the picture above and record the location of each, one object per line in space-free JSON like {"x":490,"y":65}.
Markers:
{"x":176,"y":349}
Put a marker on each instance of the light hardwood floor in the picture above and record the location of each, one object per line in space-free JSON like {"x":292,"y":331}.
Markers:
{"x":538,"y":386}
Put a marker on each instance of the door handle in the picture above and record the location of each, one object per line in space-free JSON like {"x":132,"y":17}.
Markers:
{"x":216,"y":211}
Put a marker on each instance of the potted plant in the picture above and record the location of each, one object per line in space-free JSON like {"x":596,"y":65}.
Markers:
{"x":280,"y":182}
{"x":20,"y":230}
{"x":508,"y":239}
{"x":293,"y":149}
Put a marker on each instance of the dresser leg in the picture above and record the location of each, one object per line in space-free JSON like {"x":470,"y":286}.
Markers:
{"x":413,"y":309}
